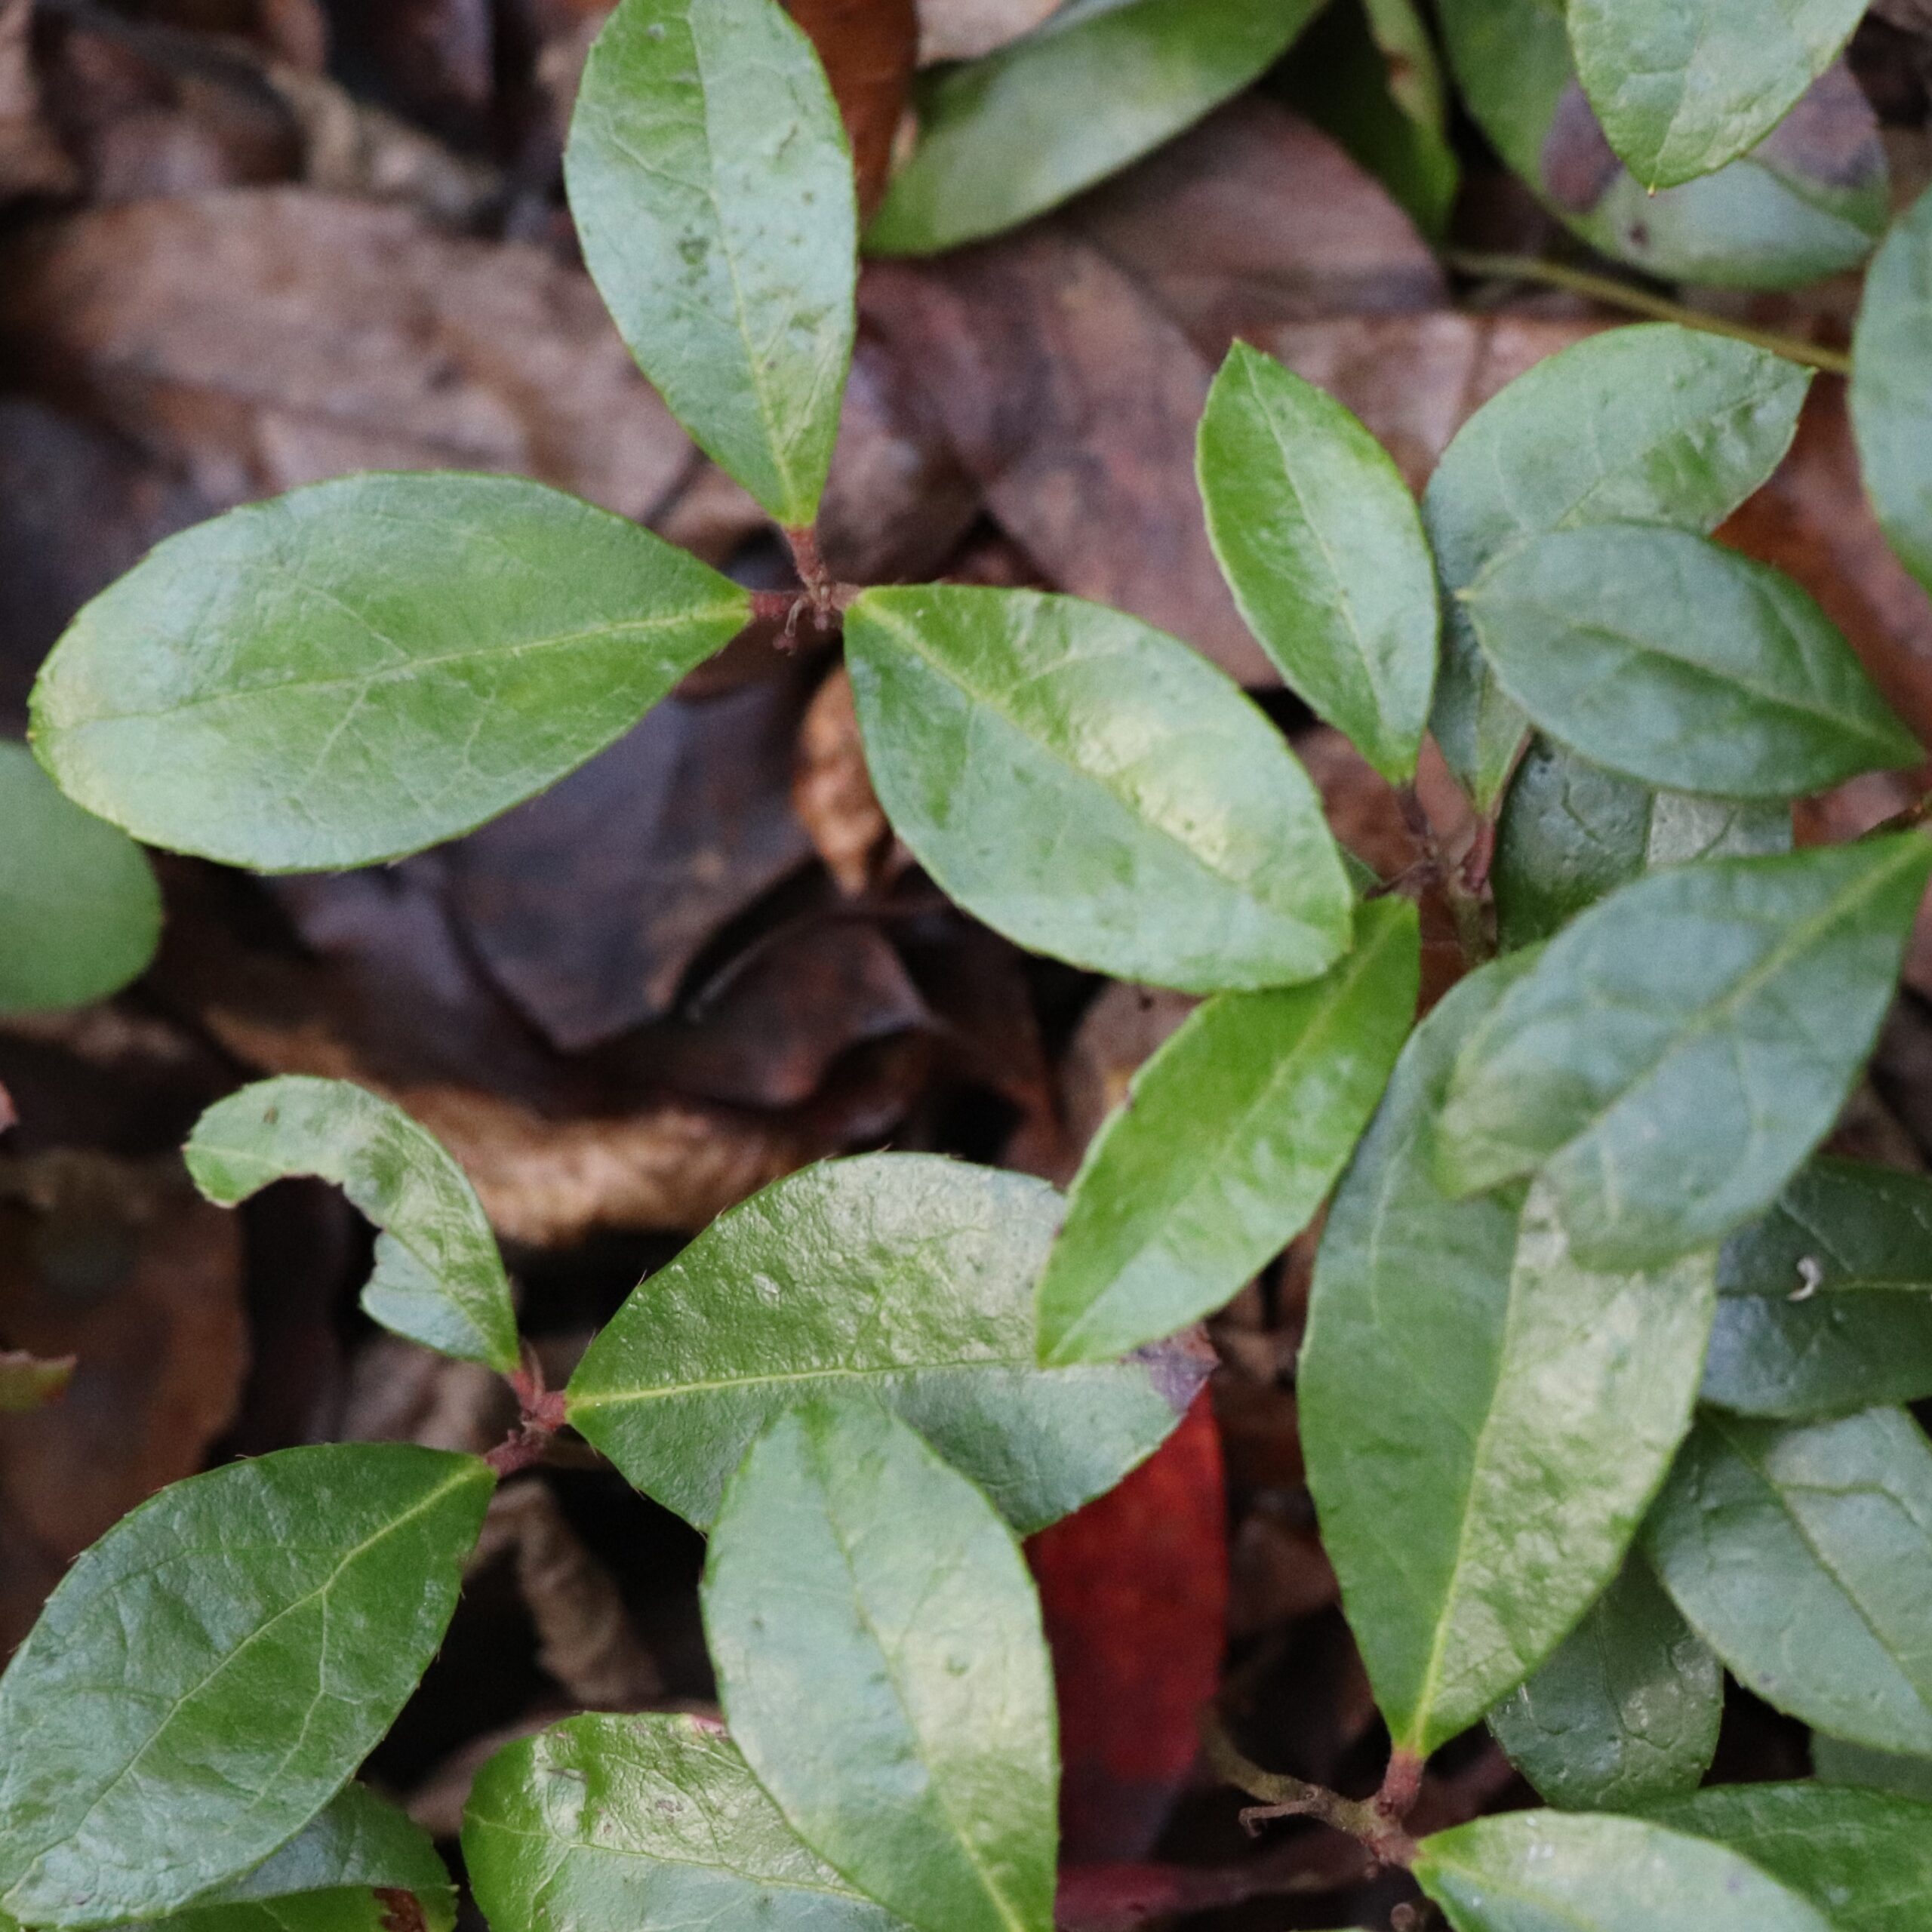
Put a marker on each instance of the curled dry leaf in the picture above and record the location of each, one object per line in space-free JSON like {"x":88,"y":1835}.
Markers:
{"x":831,"y":791}
{"x":867,"y":48}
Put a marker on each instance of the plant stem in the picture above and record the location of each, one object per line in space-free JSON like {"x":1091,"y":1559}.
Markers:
{"x":1378,"y":1830}
{"x":1618,"y":295}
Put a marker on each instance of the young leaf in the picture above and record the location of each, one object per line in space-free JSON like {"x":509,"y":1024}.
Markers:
{"x":902,"y":1276}
{"x":29,"y":1382}
{"x":1863,"y":1858}
{"x":1229,"y":1139}
{"x":80,"y":913}
{"x":605,"y":1821}
{"x":853,"y":1569}
{"x":1663,"y":657}
{"x":998,"y":147}
{"x":1834,"y":1761}
{"x":1803,"y":1556}
{"x":1094,"y":789}
{"x":1537,"y":1871}
{"x":1322,"y":545}
{"x":1625,"y":1712}
{"x":1684,"y":86}
{"x":1680,"y":1049}
{"x":1483,"y":1421}
{"x":439,"y":1278}
{"x":1653,"y":424}
{"x":1891,"y":387}
{"x":357,"y":669}
{"x":711,"y":183}
{"x":1825,"y":1304}
{"x":208,"y":1674}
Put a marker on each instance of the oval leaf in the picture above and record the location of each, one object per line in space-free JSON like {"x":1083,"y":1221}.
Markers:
{"x":851,"y":1566}
{"x":1834,"y":1761}
{"x":1680,"y":1049}
{"x":1682,"y":87}
{"x":1625,"y":1712}
{"x":1802,"y":1554}
{"x":1663,"y":657}
{"x":1093,"y":789}
{"x":80,"y":913}
{"x":998,"y":147}
{"x":1536,"y":1871}
{"x":1322,"y":545}
{"x":358,"y":669}
{"x":208,"y":1674}
{"x":1651,"y":424}
{"x":605,"y":1821}
{"x":905,"y":1277}
{"x":439,"y":1278}
{"x":1483,"y":1421}
{"x":1229,"y":1139}
{"x":711,"y":183}
{"x":1891,"y":387}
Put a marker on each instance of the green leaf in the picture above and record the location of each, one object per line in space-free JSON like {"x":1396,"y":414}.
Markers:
{"x":1863,"y":1858}
{"x":905,"y":1277}
{"x":1826,"y":1302}
{"x":1557,"y":1871}
{"x":606,"y":1822}
{"x":854,"y":1575}
{"x":997,"y":145}
{"x":1652,"y":424}
{"x":1680,"y":1049}
{"x":1624,"y":1713}
{"x":29,"y":1382}
{"x":1891,"y":387}
{"x":1093,"y":789}
{"x":1229,"y":1139}
{"x":1682,"y":87}
{"x":356,"y":670}
{"x":80,"y":913}
{"x":207,"y":1676}
{"x":1322,"y":544}
{"x":1802,"y":1554}
{"x":1834,"y":1761}
{"x":710,"y":182}
{"x":439,"y":1278}
{"x":1483,"y":1421}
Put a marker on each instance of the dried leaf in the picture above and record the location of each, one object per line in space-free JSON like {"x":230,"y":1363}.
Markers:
{"x":32,"y":162}
{"x":965,"y":29}
{"x":867,"y":47}
{"x":831,"y":791}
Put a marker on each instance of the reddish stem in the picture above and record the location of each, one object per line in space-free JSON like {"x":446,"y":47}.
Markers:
{"x":541,"y":1413}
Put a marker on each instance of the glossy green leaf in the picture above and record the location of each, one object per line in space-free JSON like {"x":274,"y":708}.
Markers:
{"x":1625,"y":1712}
{"x":1669,"y":659}
{"x":1891,"y":387}
{"x":855,"y":1576}
{"x":1322,"y":544}
{"x":207,"y":1676}
{"x":358,"y":669}
{"x":29,"y":1382}
{"x":80,"y":913}
{"x":906,"y":1276}
{"x":1650,"y":424}
{"x":1229,"y":1139}
{"x":1863,"y":1858}
{"x":710,"y":182}
{"x":1682,"y":1048}
{"x":439,"y":1278}
{"x":1802,"y":1554}
{"x":1483,"y":1421}
{"x":997,"y":146}
{"x":1834,"y":1761}
{"x":1683,"y":87}
{"x":1808,"y":202}
{"x":1093,"y":789}
{"x":606,"y":1822}
{"x":1557,"y":1871}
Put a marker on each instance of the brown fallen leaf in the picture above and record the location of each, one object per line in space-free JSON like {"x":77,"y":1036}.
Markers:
{"x":832,"y":790}
{"x":964,"y":29}
{"x":867,"y":48}
{"x":434,"y":59}
{"x":32,"y":161}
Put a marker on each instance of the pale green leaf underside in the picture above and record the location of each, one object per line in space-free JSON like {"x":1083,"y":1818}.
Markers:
{"x":1891,"y":387}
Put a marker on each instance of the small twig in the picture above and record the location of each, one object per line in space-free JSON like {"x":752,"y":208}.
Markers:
{"x":1912,"y":816}
{"x":1462,"y":885}
{"x":1378,"y":1832}
{"x":541,"y":1415}
{"x":1617,"y":294}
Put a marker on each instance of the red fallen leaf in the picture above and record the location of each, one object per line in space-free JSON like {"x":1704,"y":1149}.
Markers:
{"x":1134,"y":1588}
{"x":869,"y":48}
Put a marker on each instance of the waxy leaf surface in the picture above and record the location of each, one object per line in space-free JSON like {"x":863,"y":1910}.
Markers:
{"x":854,"y":1575}
{"x":710,"y":182}
{"x":1802,"y":1554}
{"x":439,"y":1278}
{"x":1891,"y":387}
{"x":207,"y":1676}
{"x":904,"y":1278}
{"x":1679,"y":1050}
{"x":1093,"y":789}
{"x":1834,"y":1761}
{"x":358,"y":669}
